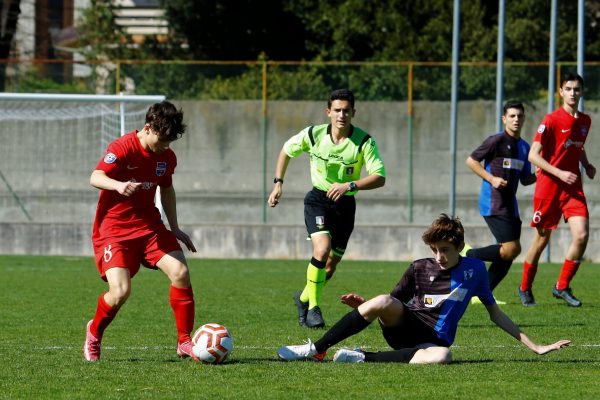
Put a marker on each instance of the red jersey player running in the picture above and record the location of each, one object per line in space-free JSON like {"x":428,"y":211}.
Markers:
{"x":128,"y":230}
{"x":557,"y":150}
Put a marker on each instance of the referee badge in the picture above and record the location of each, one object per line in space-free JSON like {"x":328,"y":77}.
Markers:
{"x":320,"y":221}
{"x":349,"y":170}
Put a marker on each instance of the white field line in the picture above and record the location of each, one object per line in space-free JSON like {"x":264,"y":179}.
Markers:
{"x":160,"y":348}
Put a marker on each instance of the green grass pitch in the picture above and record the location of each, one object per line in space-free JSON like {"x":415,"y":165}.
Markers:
{"x":46,"y":302}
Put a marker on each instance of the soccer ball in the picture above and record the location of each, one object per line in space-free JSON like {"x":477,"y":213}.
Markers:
{"x":212,"y":343}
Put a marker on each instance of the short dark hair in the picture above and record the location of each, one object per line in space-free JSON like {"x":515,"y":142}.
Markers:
{"x":571,"y":76}
{"x":445,"y":228}
{"x":166,"y":120}
{"x":341,"y":94}
{"x":513,"y":104}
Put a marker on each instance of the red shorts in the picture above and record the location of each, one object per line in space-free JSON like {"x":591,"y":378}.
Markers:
{"x":146,"y":250}
{"x":547,"y":212}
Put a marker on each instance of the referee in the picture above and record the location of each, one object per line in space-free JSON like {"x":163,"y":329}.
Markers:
{"x":337,"y":151}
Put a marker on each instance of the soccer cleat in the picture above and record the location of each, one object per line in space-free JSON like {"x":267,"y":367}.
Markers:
{"x":91,"y":346}
{"x":301,"y":352}
{"x":465,"y":250}
{"x":349,"y":356}
{"x":566,"y":295}
{"x":302,"y":308}
{"x":526,"y":297}
{"x":184,"y":350}
{"x":314,"y":318}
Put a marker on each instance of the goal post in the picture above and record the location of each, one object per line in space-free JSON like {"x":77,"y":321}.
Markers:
{"x":51,"y":143}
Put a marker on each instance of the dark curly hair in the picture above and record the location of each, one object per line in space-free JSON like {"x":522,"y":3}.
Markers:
{"x":166,"y":120}
{"x":445,"y":228}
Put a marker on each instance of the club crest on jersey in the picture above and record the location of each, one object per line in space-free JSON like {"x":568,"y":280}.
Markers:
{"x":110,"y":158}
{"x":349,"y":170}
{"x":541,"y":128}
{"x":320,"y":221}
{"x":468,"y":274}
{"x":161,"y":168}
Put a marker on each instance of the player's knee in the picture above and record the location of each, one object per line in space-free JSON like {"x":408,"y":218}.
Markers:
{"x":180,"y":275}
{"x":581,"y":237}
{"x":510,"y":251}
{"x":118,"y":295}
{"x":381,"y":302}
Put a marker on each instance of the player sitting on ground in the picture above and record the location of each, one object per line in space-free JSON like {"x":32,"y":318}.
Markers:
{"x":420,"y":316}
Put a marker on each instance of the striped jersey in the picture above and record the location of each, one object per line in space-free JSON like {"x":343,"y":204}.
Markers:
{"x":506,"y":157}
{"x":439,"y":297}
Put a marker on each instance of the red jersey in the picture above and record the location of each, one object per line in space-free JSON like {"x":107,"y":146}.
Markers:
{"x":123,"y":217}
{"x":562,"y":137}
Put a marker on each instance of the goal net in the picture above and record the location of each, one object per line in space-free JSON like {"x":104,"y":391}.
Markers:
{"x":49,"y":147}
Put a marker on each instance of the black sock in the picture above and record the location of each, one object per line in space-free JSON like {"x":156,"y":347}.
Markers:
{"x":497,"y":272}
{"x":402,"y":355}
{"x":350,"y":324}
{"x":488,"y":253}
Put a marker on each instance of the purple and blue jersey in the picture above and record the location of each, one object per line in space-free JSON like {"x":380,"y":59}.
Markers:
{"x":439,"y":297}
{"x":506,"y":157}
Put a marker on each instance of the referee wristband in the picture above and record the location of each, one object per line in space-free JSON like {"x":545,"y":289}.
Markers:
{"x":275,"y":180}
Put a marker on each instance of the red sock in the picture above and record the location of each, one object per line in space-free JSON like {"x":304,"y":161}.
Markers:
{"x":182,"y":303}
{"x":103,"y":317}
{"x":529,"y":271}
{"x":568,"y":271}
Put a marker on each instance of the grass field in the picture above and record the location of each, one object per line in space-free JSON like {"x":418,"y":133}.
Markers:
{"x":46,"y":302}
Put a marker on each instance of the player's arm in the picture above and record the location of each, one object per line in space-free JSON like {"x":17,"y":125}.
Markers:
{"x":590,"y":170}
{"x":535,"y":157}
{"x":168,"y":200}
{"x":503,"y":321}
{"x":100,"y":180}
{"x":282,"y":163}
{"x":476,"y":167}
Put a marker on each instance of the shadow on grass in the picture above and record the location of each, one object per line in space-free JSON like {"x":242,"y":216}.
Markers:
{"x":462,"y":326}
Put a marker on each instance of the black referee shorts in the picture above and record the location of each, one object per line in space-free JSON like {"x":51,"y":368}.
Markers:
{"x":323,"y":215}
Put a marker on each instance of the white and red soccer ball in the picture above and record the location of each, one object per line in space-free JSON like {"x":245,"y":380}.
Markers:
{"x":212,"y":343}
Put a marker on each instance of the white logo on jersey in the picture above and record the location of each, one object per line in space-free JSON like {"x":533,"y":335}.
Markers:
{"x":434,"y":300}
{"x":110,"y":158}
{"x":108,"y":253}
{"x":541,"y":128}
{"x":512,"y":163}
{"x":569,"y":143}
{"x":145,"y":185}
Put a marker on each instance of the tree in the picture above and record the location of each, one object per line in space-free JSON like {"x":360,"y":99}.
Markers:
{"x":237,"y":29}
{"x":9,"y":13}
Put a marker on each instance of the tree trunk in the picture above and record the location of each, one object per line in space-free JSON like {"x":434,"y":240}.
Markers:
{"x":9,"y":15}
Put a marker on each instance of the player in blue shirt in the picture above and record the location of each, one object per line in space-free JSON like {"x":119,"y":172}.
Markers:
{"x":420,"y":316}
{"x":505,"y":165}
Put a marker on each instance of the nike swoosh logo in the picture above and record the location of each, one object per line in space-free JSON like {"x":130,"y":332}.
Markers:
{"x":130,"y":167}
{"x":565,"y":130}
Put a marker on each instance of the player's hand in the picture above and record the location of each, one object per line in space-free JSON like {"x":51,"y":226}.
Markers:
{"x":590,"y":171}
{"x":541,"y":350}
{"x":185,"y":239}
{"x":337,"y":191}
{"x":128,"y":188}
{"x":498,"y":183}
{"x":352,"y":299}
{"x":567,"y":177}
{"x":273,"y":199}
